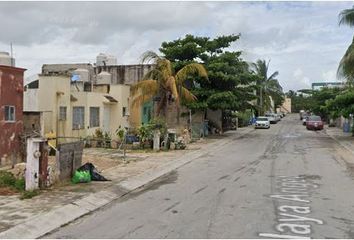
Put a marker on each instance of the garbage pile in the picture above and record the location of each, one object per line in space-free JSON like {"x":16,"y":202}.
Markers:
{"x":87,"y":173}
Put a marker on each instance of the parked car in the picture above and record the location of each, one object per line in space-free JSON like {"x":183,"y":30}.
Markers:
{"x":272,"y":117}
{"x":302,"y":113}
{"x":280,"y":116}
{"x":262,"y":122}
{"x":314,"y":123}
{"x":304,"y":119}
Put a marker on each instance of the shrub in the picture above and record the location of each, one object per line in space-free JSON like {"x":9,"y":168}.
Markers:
{"x":120,"y":132}
{"x":145,"y":133}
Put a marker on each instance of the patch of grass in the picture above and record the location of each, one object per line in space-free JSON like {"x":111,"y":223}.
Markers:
{"x":7,"y":179}
{"x":29,"y":194}
{"x":9,"y":185}
{"x":20,"y":184}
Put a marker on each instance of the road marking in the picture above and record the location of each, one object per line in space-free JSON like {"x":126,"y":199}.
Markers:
{"x":297,"y":209}
{"x":272,"y":235}
{"x":293,"y":189}
{"x":291,"y":197}
{"x":294,"y":228}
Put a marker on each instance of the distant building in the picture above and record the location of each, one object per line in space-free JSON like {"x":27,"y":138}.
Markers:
{"x":286,"y":107}
{"x":319,"y":85}
{"x":11,"y":105}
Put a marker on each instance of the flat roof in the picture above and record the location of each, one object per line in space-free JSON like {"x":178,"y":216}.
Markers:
{"x":12,"y":68}
{"x":326,"y":83}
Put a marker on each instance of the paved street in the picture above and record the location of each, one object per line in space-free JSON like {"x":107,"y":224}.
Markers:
{"x":278,"y":183}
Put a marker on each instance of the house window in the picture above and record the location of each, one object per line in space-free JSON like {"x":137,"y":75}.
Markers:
{"x":10,"y":114}
{"x":62,"y":113}
{"x":94,"y":116}
{"x":78,"y":117}
{"x":124,"y":111}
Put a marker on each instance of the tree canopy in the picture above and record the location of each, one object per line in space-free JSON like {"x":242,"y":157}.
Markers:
{"x":229,"y":86}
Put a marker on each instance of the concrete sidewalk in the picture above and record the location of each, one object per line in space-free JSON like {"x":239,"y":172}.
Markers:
{"x":35,"y":217}
{"x":346,"y":140}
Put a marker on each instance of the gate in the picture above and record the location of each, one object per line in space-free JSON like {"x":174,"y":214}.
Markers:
{"x":69,"y":158}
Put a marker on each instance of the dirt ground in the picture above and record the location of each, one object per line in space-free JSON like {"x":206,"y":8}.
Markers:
{"x":6,"y":191}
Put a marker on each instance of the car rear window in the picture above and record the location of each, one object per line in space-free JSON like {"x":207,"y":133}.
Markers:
{"x":262,"y":119}
{"x":315,"y":118}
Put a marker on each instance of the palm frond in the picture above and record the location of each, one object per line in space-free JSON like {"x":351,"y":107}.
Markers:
{"x":273,"y":76}
{"x":153,"y":74}
{"x":141,"y":99}
{"x":145,"y":87}
{"x":190,"y":69}
{"x":149,"y":56}
{"x":186,"y":95}
{"x":165,"y":67}
{"x":345,"y":68}
{"x":347,"y":17}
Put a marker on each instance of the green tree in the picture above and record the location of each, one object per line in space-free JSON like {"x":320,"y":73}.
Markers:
{"x":267,"y":86}
{"x":229,"y":76}
{"x":314,"y":100}
{"x":341,"y":105}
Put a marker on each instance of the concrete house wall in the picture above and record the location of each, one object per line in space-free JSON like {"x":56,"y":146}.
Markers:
{"x":120,"y":75}
{"x":58,"y":91}
{"x":11,"y":94}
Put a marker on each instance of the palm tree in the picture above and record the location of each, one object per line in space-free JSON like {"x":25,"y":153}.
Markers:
{"x":162,"y":83}
{"x":267,"y":86}
{"x":346,"y":64}
{"x":347,"y":17}
{"x":290,"y":94}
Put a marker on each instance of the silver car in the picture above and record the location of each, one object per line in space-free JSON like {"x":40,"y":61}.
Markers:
{"x":262,"y":122}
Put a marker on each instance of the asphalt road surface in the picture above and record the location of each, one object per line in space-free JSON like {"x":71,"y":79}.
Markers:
{"x":282,"y":182}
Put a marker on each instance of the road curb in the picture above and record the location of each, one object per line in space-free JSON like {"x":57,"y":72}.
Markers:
{"x":341,"y":144}
{"x":43,"y":224}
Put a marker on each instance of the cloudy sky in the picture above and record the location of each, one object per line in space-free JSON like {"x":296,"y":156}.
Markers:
{"x":302,"y":39}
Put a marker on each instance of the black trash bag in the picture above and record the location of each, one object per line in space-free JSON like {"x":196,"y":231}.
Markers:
{"x":95,"y":176}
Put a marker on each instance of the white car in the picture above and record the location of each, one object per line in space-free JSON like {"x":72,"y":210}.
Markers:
{"x":262,"y":122}
{"x":271,"y":117}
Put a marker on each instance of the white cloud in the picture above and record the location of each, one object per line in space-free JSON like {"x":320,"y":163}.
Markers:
{"x":296,"y":36}
{"x":298,"y":73}
{"x":329,"y":76}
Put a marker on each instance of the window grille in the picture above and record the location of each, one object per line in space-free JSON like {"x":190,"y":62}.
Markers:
{"x":94,"y":116}
{"x":78,"y":117}
{"x":10,"y":114}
